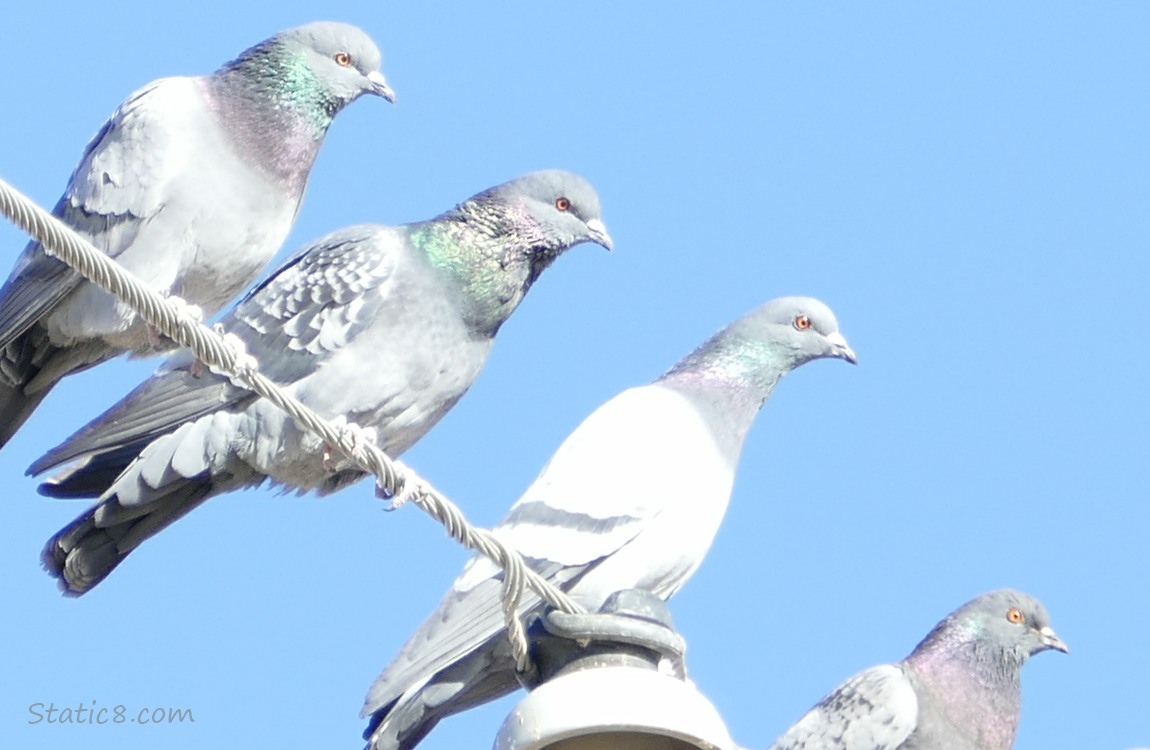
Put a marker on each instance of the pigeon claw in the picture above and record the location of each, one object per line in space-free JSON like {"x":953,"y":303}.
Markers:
{"x":410,"y":488}
{"x":350,"y":432}
{"x":155,"y":338}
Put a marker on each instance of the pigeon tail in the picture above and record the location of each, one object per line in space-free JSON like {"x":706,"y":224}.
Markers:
{"x":30,"y":367}
{"x":18,"y":368}
{"x":16,"y":407}
{"x":477,"y":679}
{"x":402,"y":729}
{"x":403,"y":725}
{"x":85,"y":551}
{"x":143,"y":488}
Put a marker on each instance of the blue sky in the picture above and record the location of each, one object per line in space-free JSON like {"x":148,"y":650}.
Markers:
{"x":966,"y":185}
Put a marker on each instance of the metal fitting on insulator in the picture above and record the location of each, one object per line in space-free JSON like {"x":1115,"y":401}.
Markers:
{"x":611,"y":679}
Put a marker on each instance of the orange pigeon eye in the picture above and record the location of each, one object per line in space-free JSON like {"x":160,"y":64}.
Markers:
{"x":563,"y":204}
{"x":1015,"y":615}
{"x":803,"y":322}
{"x":342,"y":59}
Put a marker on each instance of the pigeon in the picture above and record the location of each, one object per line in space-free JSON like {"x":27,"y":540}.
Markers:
{"x":193,"y":185}
{"x":382,"y":327}
{"x":632,"y":499}
{"x":958,"y":690}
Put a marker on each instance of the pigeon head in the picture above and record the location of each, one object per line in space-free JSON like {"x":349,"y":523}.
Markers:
{"x":555,"y":209}
{"x":278,"y":98}
{"x":314,"y":71}
{"x":767,"y":343}
{"x":737,"y":369}
{"x":497,"y":243}
{"x":343,"y":58}
{"x":1007,"y":626}
{"x":800,"y":329}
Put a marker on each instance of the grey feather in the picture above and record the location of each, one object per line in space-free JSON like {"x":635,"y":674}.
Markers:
{"x":959,"y":690}
{"x":193,"y":184}
{"x":611,"y":510}
{"x":386,"y":327}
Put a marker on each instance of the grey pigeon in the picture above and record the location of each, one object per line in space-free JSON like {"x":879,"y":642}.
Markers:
{"x":959,"y":690}
{"x":632,"y":499}
{"x":193,"y":185}
{"x":386,"y":327}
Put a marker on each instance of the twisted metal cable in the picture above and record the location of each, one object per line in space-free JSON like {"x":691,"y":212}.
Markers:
{"x":393,"y":479}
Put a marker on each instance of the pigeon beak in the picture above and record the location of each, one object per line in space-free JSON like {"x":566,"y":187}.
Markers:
{"x":1050,"y":639}
{"x":840,"y":348}
{"x":599,"y":234}
{"x":379,"y":86}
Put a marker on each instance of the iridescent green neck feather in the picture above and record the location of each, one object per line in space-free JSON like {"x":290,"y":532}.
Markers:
{"x":492,"y":255}
{"x":729,"y":378}
{"x":730,"y":361}
{"x":272,"y":89}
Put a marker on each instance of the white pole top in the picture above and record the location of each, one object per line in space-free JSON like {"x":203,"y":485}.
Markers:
{"x":619,"y":707}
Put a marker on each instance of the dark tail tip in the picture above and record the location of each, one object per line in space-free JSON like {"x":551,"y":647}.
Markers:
{"x":80,"y":555}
